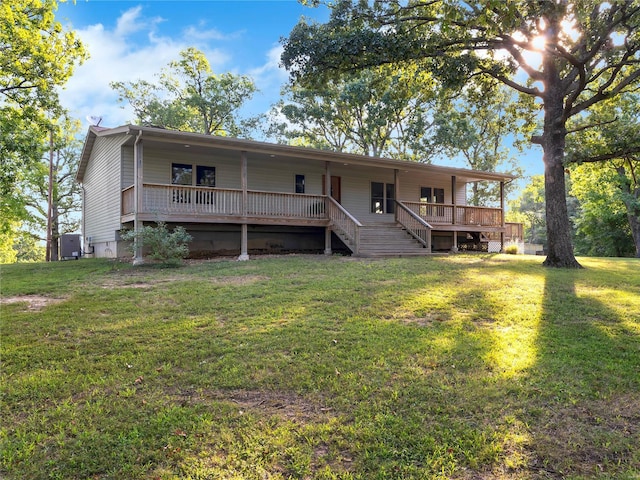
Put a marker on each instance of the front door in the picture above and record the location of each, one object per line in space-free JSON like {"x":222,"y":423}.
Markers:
{"x":336,"y":192}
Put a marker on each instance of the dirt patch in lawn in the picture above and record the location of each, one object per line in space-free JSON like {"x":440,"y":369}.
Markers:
{"x":256,"y":401}
{"x":33,"y":302}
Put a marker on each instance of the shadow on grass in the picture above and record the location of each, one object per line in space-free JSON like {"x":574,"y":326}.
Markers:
{"x":389,"y":369}
{"x":587,"y":411}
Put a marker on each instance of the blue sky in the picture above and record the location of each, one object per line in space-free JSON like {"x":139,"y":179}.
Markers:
{"x":131,"y":40}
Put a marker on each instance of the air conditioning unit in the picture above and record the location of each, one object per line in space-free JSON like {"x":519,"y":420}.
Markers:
{"x":70,"y":246}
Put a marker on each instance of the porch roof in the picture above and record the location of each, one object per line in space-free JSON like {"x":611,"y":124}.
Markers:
{"x":271,"y":150}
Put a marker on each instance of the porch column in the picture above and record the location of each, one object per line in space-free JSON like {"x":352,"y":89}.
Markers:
{"x":138,"y":179}
{"x":327,"y":191}
{"x":244,"y":255}
{"x":502,"y":216}
{"x":454,"y":201}
{"x":396,"y":183}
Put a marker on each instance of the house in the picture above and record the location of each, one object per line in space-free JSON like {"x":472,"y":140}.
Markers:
{"x":237,"y":197}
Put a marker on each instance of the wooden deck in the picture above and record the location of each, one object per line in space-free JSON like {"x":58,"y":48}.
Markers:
{"x":173,"y":202}
{"x":187,"y":204}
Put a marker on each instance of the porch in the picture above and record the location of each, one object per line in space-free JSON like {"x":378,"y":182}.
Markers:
{"x":206,"y":205}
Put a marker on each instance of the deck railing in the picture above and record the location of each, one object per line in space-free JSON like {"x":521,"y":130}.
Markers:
{"x":439,"y":214}
{"x":176,"y":199}
{"x":344,"y":223}
{"x":414,"y":224}
{"x":514,"y":231}
{"x":276,"y":204}
{"x":184,"y":199}
{"x":128,"y":200}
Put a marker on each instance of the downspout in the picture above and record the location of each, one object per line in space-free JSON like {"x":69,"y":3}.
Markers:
{"x":85,"y":240}
{"x":137,"y":257}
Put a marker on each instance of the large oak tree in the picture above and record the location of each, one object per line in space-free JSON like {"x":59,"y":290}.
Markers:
{"x":588,"y":53}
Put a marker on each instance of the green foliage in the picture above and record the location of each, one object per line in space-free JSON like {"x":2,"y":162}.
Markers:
{"x":38,"y":55}
{"x":188,"y":96}
{"x":511,"y":250}
{"x":477,"y":126}
{"x":381,"y":111}
{"x":602,"y":225}
{"x":529,"y":209}
{"x":160,"y":244}
{"x":66,"y":193}
{"x":609,"y":191}
{"x":17,"y":245}
{"x":320,"y":367}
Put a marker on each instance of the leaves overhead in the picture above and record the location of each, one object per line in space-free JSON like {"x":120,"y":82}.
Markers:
{"x":380,"y":111}
{"x":188,"y":96}
{"x":37,"y":55}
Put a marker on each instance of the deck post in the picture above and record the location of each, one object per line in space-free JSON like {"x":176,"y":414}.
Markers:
{"x":244,"y":253}
{"x":327,"y":241}
{"x":454,"y":202}
{"x":396,"y":183}
{"x":327,"y":191}
{"x":138,"y":259}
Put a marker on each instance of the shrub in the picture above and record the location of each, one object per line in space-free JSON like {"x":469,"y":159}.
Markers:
{"x":511,"y":250}
{"x":161,"y":244}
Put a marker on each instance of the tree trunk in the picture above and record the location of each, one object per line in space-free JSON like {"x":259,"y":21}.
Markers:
{"x":631,"y":203}
{"x":559,"y":245}
{"x":55,"y":234}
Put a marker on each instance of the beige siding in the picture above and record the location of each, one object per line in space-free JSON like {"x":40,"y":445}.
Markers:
{"x":128,"y":178}
{"x":157,"y":166}
{"x":410,"y":187}
{"x":102,"y":197}
{"x":281,"y":177}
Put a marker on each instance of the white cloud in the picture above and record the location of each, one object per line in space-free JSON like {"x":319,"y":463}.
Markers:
{"x":132,"y":50}
{"x":270,"y":73}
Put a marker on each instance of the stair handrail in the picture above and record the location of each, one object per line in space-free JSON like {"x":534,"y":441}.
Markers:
{"x":344,"y":222}
{"x":415,"y":225}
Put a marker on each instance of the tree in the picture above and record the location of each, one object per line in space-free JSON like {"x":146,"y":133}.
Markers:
{"x":588,"y":51}
{"x":602,"y":226}
{"x":37,"y":55}
{"x":379,"y":112}
{"x":605,"y":162}
{"x":529,"y":209}
{"x":477,"y":128}
{"x":188,"y":96}
{"x":66,"y":195}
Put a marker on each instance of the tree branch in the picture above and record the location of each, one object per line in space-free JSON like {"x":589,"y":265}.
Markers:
{"x":603,"y":156}
{"x":586,"y":127}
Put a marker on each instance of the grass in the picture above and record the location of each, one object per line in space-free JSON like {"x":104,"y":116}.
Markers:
{"x":463,"y":367}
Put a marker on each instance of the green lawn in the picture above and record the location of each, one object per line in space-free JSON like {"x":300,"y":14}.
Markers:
{"x":466,"y":367}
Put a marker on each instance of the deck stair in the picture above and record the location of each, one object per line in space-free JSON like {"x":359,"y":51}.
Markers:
{"x":388,"y":240}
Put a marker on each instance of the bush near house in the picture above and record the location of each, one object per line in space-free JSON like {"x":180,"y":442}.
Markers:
{"x":159,"y":243}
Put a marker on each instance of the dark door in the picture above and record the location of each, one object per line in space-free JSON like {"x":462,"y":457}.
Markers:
{"x":336,"y":192}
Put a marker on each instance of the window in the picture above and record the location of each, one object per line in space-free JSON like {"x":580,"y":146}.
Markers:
{"x":181,"y":174}
{"x":206,"y":176}
{"x":431,"y":195}
{"x":382,"y":197}
{"x":299,"y":183}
